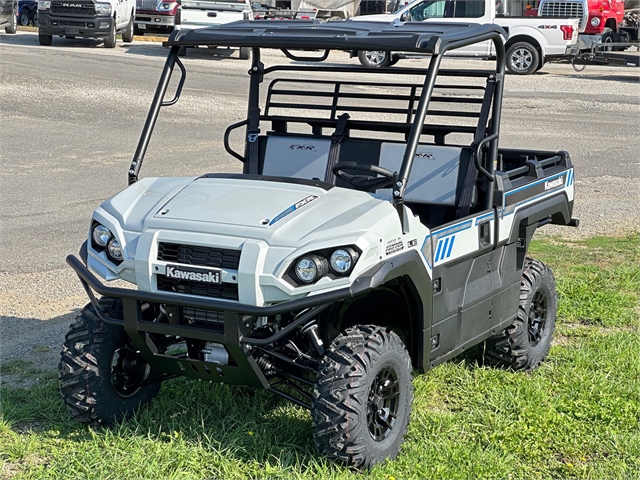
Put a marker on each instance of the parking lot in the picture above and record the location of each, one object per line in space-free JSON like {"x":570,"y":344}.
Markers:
{"x":71,"y":115}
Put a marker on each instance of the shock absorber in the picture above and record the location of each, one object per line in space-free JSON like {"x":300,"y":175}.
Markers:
{"x":311,"y":331}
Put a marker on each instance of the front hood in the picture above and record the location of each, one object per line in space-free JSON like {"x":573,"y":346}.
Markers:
{"x":257,"y":204}
{"x":284,"y":213}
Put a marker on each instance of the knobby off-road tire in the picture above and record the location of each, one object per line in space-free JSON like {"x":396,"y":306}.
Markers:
{"x":525,"y":343}
{"x":362,"y":397}
{"x":91,"y":369}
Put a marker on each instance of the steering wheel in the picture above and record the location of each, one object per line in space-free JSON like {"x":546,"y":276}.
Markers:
{"x":366,"y":183}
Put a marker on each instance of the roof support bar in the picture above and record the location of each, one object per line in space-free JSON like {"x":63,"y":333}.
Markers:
{"x":156,"y":104}
{"x":414,"y":139}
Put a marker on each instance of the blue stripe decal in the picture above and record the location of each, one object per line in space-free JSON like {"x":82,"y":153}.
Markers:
{"x":280,"y":216}
{"x":534,"y":184}
{"x":453,"y":239}
{"x":454,"y":229}
{"x":481,"y":218}
{"x":438,"y":252}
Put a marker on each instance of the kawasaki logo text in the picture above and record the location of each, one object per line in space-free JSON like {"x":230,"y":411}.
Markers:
{"x":194,"y":276}
{"x":553,"y":183}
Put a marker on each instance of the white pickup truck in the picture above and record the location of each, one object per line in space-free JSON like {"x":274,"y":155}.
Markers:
{"x":532,"y":41}
{"x":86,"y":18}
{"x":205,"y":13}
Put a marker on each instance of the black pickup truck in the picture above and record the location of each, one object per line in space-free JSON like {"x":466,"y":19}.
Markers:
{"x":377,"y":228}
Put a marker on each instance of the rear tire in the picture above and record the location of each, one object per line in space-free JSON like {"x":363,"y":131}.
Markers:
{"x":374,"y":59}
{"x":96,"y":359}
{"x":45,"y":40}
{"x":110,"y":41}
{"x":362,"y":397}
{"x":127,"y":33}
{"x":608,"y":36}
{"x":525,"y":343}
{"x":24,"y":18}
{"x":245,"y":53}
{"x":522,"y":58}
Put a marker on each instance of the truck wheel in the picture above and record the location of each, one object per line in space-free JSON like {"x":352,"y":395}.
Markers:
{"x":245,"y":53}
{"x":362,"y":397}
{"x":110,"y":41}
{"x":525,"y":343}
{"x":45,"y":40}
{"x":13,"y":22}
{"x":100,"y":371}
{"x":127,"y":33}
{"x":607,"y":37}
{"x":522,"y":58}
{"x":24,"y":18}
{"x":374,"y":58}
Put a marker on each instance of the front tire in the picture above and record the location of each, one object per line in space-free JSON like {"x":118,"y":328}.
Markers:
{"x":525,"y":343}
{"x":374,"y":58}
{"x":110,"y":41}
{"x":127,"y":33}
{"x":522,"y":58}
{"x":45,"y":40}
{"x":13,"y":25}
{"x":362,"y":397}
{"x":100,"y":369}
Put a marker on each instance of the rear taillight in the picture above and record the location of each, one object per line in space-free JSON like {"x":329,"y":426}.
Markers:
{"x":567,"y":32}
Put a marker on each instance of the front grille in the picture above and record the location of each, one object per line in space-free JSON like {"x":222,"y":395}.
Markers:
{"x":201,"y":317}
{"x":143,"y":19}
{"x":73,"y":8}
{"x":228,"y":291}
{"x":146,"y":4}
{"x":67,"y":23}
{"x":200,"y":256}
{"x":564,"y":9}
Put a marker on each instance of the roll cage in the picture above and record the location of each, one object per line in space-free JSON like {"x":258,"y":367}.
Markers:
{"x":412,"y":105}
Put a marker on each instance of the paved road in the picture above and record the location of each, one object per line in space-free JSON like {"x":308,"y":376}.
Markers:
{"x":71,"y":114}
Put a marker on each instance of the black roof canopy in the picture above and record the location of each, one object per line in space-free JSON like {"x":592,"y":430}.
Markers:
{"x":430,"y":38}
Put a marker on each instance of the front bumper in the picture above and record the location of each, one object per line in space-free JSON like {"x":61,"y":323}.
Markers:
{"x":242,"y":368}
{"x":79,"y":26}
{"x":152,"y":21}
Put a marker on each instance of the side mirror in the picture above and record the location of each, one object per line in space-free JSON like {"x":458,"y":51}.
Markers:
{"x":405,"y":17}
{"x":256,"y":5}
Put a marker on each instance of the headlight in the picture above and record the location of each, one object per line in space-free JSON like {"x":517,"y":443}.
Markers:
{"x":44,"y":5}
{"x":103,"y":8}
{"x":595,"y":21}
{"x":306,"y":270}
{"x":101,"y":235}
{"x":341,"y":261}
{"x":166,"y":6}
{"x":115,"y":250}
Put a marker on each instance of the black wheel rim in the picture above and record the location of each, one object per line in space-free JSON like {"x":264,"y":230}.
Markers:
{"x":383,"y":403}
{"x":537,"y":318}
{"x":128,"y":371}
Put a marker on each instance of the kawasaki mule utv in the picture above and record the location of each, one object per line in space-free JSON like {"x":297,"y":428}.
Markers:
{"x":377,"y":228}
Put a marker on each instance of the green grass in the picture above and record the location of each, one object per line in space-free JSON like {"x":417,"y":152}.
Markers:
{"x":578,"y":416}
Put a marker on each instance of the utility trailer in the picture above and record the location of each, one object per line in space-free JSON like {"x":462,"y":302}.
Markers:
{"x":376,"y":228}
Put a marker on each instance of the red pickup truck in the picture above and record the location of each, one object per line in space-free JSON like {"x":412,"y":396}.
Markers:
{"x":158,"y":16}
